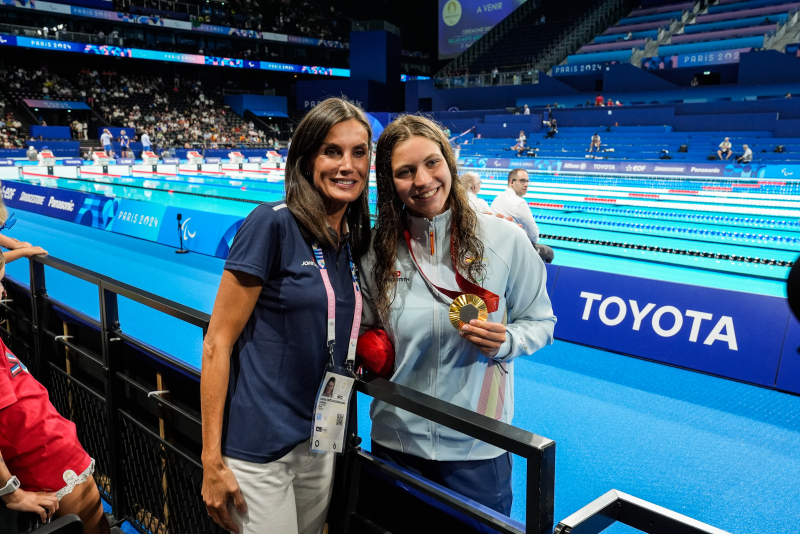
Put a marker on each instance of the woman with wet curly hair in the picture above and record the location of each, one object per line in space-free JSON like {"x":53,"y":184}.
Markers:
{"x":432,"y":253}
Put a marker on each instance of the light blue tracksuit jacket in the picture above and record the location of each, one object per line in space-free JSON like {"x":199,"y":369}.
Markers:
{"x":431,"y":357}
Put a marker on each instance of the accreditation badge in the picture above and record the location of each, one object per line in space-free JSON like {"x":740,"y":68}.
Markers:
{"x":329,"y":425}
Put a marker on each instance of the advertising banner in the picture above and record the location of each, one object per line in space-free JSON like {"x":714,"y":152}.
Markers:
{"x":789,"y":372}
{"x":201,"y":231}
{"x":726,"y":333}
{"x":698,"y":59}
{"x":137,"y":219}
{"x":462,"y":22}
{"x":58,"y":203}
{"x":53,"y":104}
{"x":102,"y":9}
{"x":645,"y":168}
{"x":136,"y":53}
{"x":584,"y":68}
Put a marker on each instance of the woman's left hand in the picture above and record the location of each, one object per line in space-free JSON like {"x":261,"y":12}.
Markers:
{"x":487,"y":336}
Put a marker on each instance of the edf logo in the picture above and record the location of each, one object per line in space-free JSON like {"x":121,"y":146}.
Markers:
{"x":722,"y":331}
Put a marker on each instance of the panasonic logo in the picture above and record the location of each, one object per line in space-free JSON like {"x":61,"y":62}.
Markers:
{"x":32,"y":199}
{"x":60,"y":204}
{"x":722,"y":331}
{"x":712,"y":170}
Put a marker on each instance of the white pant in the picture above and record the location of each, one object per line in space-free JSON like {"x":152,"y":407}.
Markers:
{"x":287,"y":496}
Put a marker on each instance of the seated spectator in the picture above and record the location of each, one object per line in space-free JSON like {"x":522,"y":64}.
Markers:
{"x":520,"y":146}
{"x":788,"y":95}
{"x":472,"y":184}
{"x":551,"y":133}
{"x":695,"y":82}
{"x":32,"y":154}
{"x":609,"y":102}
{"x":747,"y":156}
{"x":510,"y":203}
{"x":43,"y":468}
{"x":595,"y":143}
{"x":526,"y":110}
{"x":724,"y":149}
{"x":599,"y":100}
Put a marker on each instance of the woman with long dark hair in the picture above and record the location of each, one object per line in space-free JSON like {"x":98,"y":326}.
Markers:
{"x":460,"y":294}
{"x":287,"y":301}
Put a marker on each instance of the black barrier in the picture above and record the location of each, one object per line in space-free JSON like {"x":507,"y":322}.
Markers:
{"x":145,"y":436}
{"x":616,"y":506}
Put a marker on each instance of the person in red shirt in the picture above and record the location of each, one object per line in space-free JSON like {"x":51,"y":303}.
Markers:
{"x":40,"y":450}
{"x":598,"y":100}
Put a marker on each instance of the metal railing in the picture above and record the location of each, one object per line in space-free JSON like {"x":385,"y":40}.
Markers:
{"x":147,"y":445}
{"x":616,"y":506}
{"x":523,"y":77}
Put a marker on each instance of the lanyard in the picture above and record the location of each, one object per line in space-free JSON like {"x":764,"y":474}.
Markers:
{"x":351,"y":349}
{"x":492,"y":301}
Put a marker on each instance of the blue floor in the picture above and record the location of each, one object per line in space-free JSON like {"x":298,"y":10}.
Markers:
{"x":721,"y":452}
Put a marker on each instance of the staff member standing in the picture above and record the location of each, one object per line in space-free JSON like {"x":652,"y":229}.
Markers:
{"x":259,"y":474}
{"x":428,"y":247}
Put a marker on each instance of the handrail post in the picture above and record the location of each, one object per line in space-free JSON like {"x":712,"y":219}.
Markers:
{"x":112,"y":356}
{"x":540,"y":492}
{"x":38,"y":294}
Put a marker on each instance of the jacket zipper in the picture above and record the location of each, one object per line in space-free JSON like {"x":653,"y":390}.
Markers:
{"x":436,"y":334}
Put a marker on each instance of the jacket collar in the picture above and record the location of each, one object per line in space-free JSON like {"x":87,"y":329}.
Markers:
{"x":420,"y":226}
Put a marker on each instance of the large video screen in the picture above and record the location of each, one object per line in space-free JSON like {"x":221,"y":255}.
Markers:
{"x":462,"y":22}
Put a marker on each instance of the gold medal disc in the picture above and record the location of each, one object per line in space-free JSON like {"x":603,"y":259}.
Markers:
{"x":466,"y":308}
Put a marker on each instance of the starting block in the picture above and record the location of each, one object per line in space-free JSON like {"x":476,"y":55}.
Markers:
{"x":236,"y":157}
{"x":100,"y":158}
{"x":194,"y":157}
{"x":46,"y":158}
{"x":149,"y":158}
{"x":274,"y":157}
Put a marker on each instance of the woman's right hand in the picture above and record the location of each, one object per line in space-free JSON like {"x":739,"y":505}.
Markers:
{"x":220,"y":485}
{"x":34,"y":251}
{"x":42,"y":504}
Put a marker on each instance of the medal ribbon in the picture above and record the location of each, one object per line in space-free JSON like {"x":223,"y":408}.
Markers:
{"x":493,"y":388}
{"x":351,"y":348}
{"x":492,"y":301}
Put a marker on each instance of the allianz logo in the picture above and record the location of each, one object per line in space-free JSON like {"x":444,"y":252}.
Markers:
{"x":722,"y":331}
{"x":8,"y":193}
{"x":568,"y":165}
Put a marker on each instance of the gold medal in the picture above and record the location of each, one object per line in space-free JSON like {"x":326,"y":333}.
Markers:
{"x":466,"y":308}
